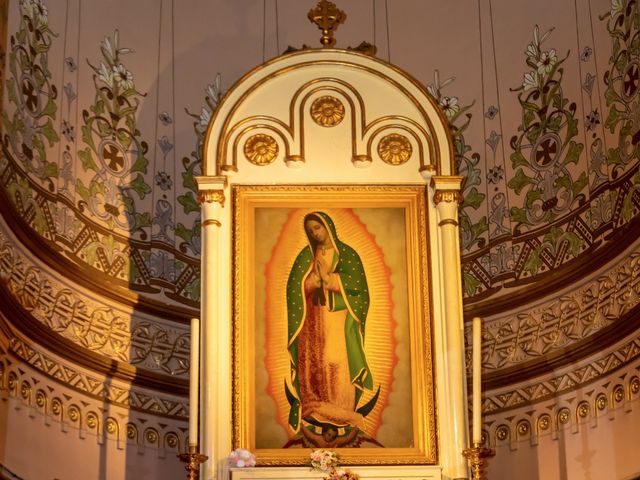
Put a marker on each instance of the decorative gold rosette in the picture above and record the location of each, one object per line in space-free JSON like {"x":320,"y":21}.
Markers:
{"x":327,"y":111}
{"x":395,"y":149}
{"x":261,"y":149}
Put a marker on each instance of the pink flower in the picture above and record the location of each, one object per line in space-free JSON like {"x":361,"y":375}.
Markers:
{"x":241,"y":458}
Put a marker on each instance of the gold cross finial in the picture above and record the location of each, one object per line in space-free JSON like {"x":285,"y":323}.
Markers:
{"x":327,"y":17}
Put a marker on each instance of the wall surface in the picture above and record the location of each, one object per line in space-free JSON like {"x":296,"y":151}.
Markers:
{"x":104,"y":108}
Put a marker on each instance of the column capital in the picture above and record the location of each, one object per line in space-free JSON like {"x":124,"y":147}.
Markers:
{"x":447,"y":188}
{"x":211,"y":196}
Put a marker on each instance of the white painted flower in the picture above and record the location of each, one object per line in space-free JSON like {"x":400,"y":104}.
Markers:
{"x":122,"y":76}
{"x":205,"y":116}
{"x":111,"y":49}
{"x":530,"y":80}
{"x":616,"y":7}
{"x":105,"y":74}
{"x":546,"y":62}
{"x":532,"y":51}
{"x":450,"y":106}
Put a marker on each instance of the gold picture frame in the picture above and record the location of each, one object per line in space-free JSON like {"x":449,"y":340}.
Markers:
{"x":331,"y":348}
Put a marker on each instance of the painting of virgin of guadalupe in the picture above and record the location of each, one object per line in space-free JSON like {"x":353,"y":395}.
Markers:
{"x":332,"y":337}
{"x":327,"y":306}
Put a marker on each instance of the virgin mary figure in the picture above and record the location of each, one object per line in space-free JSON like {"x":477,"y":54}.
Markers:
{"x":327,"y":305}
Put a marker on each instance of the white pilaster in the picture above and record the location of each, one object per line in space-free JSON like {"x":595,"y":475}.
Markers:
{"x":215,"y":339}
{"x":453,"y":397}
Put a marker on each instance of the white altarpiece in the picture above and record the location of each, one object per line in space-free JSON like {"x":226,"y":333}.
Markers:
{"x":332,"y":129}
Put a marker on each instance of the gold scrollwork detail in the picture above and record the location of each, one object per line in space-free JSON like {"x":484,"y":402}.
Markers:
{"x":634,"y":386}
{"x":447,"y":196}
{"x":111,"y":426}
{"x":601,"y":402}
{"x":92,"y":420}
{"x":544,"y":422}
{"x":618,"y":394}
{"x":41,"y":398}
{"x":132,"y":431}
{"x":523,"y":427}
{"x":211,"y":196}
{"x":56,"y":406}
{"x":327,"y":111}
{"x":171,"y":440}
{"x":502,"y":433}
{"x":151,"y":436}
{"x":261,"y":149}
{"x":395,"y":149}
{"x":564,"y":416}
{"x":583,"y":409}
{"x":25,"y":390}
{"x":74,"y":413}
{"x":13,"y":381}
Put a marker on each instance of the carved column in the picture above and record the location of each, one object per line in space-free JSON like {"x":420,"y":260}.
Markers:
{"x":214,"y":323}
{"x":447,"y":198}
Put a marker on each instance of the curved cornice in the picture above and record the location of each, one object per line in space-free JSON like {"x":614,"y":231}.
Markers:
{"x":547,"y":283}
{"x":49,"y":253}
{"x":592,"y":347}
{"x":37,"y":333}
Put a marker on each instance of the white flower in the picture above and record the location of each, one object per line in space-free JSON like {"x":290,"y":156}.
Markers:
{"x":433,"y":91}
{"x":530,"y":80}
{"x":105,"y":74}
{"x":450,"y":106}
{"x":111,"y":50}
{"x":205,"y":116}
{"x":616,"y":7}
{"x":532,"y":51}
{"x":122,"y":76}
{"x":546,"y":62}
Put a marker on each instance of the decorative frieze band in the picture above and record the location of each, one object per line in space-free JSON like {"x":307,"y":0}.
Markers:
{"x":99,"y":328}
{"x":529,"y":335}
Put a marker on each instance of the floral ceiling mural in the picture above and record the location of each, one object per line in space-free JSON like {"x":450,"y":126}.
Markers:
{"x":101,"y":146}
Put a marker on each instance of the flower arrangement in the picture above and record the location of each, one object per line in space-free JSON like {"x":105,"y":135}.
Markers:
{"x":241,"y":458}
{"x":327,"y":461}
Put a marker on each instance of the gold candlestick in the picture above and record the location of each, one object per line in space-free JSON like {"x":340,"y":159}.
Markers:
{"x":193,"y":459}
{"x":477,"y":456}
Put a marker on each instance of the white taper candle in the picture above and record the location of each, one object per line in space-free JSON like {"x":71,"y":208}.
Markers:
{"x":477,"y":380}
{"x":194,"y":380}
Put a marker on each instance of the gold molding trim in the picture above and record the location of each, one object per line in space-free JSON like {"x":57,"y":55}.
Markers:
{"x":219,"y":164}
{"x":395,"y":149}
{"x":261,"y":149}
{"x":448,"y":221}
{"x":327,"y":111}
{"x":556,"y":384}
{"x":211,"y":221}
{"x":93,"y":385}
{"x":570,"y":412}
{"x":211,"y":196}
{"x":47,"y":399}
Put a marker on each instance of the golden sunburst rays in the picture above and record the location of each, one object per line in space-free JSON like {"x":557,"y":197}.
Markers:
{"x":380,"y":341}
